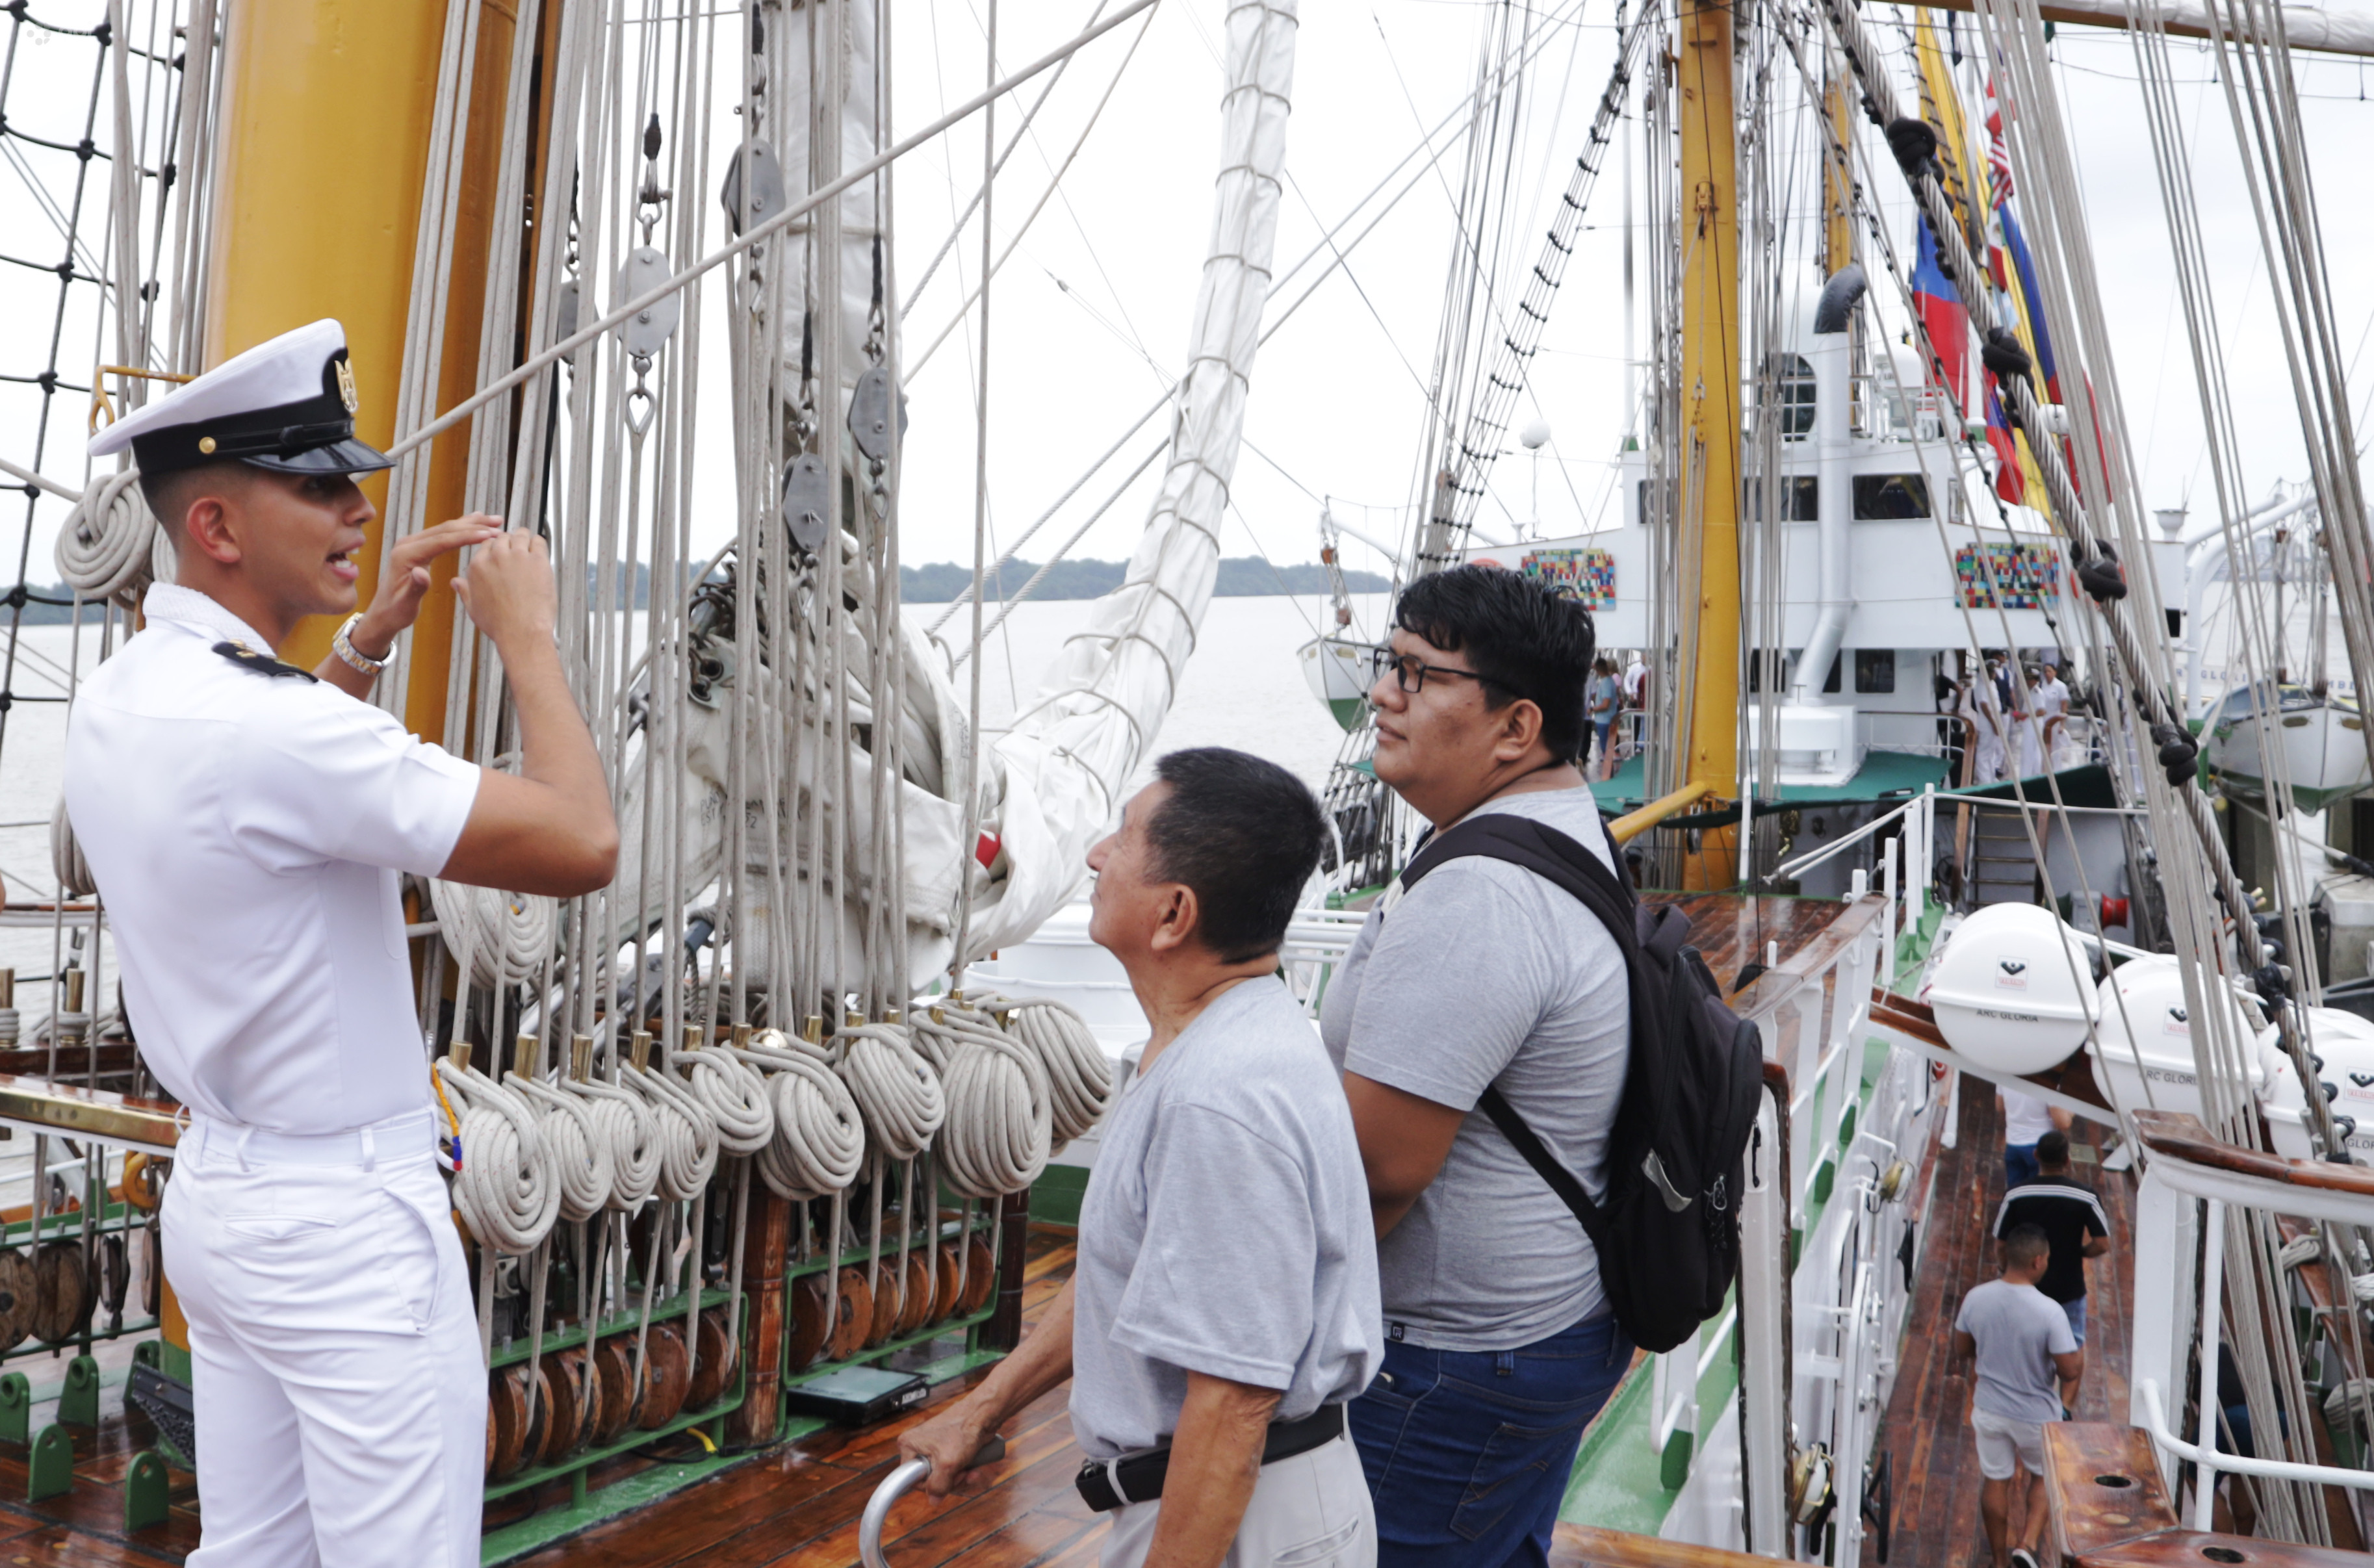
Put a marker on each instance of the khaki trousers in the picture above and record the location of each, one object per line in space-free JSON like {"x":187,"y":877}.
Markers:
{"x":1311,"y":1511}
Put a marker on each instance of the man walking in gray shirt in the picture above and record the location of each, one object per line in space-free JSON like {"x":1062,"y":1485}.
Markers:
{"x":1500,"y":1346}
{"x":2019,"y":1341}
{"x":1223,"y":1308}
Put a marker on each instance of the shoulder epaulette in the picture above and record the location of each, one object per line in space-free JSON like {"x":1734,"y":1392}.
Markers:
{"x":247,"y":658}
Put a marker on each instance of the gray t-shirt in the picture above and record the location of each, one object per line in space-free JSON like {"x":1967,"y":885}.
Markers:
{"x":1226,"y":1230}
{"x":2019,"y":1329}
{"x":1485,"y":973}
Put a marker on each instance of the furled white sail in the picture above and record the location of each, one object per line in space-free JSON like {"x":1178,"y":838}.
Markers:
{"x":1053,"y":782}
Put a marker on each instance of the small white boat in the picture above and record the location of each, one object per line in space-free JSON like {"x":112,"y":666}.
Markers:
{"x":1337,"y":669}
{"x":2324,"y":747}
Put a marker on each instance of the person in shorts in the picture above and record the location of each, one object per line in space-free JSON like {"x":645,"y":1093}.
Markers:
{"x":2025,"y":1369}
{"x":2072,"y":1219}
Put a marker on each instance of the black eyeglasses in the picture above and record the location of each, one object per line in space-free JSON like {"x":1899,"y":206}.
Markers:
{"x":1411,"y":671}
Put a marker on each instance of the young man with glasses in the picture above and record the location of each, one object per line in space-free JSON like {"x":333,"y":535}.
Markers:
{"x":1499,"y":1345}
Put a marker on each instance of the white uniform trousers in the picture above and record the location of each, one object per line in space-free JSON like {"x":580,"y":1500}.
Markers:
{"x":341,"y":1400}
{"x":1311,"y":1511}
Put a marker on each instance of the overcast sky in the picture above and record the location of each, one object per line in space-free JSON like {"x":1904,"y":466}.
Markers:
{"x":1090,"y":316}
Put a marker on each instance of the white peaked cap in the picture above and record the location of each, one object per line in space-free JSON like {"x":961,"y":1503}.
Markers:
{"x":287,"y":404}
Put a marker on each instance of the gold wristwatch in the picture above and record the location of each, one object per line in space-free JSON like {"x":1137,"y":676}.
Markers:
{"x":343,"y":645}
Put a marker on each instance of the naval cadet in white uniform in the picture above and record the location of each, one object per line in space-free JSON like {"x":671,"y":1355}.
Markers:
{"x":247,"y":821}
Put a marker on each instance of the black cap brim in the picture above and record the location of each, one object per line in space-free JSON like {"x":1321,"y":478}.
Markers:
{"x":349,"y":456}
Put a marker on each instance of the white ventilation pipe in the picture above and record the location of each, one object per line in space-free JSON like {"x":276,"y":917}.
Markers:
{"x":1831,"y":354}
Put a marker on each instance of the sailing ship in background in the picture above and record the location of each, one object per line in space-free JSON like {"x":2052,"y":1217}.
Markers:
{"x":778,"y":1094}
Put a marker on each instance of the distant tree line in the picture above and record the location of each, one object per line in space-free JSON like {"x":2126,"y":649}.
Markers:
{"x":1240,"y":577}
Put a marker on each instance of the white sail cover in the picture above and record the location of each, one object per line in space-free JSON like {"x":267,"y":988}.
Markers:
{"x":1052,"y":784}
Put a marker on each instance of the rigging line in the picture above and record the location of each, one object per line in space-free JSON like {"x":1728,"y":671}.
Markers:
{"x":957,"y":224}
{"x":757,"y":234}
{"x":916,"y":366}
{"x":979,"y":532}
{"x":1269,"y":329}
{"x":1378,"y":316}
{"x":1062,"y":551}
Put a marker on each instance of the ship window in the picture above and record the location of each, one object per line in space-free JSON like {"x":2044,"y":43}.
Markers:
{"x":1890,"y":497}
{"x":1875,"y":670}
{"x":1793,"y":397}
{"x":1801,"y":499}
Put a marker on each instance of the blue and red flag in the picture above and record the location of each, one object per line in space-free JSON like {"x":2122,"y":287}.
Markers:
{"x":1947,"y":321}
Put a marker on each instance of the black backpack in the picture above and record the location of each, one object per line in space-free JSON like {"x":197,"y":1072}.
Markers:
{"x":1667,"y":1233}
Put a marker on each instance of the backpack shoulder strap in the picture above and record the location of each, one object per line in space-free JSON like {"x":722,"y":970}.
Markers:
{"x":1558,"y":858}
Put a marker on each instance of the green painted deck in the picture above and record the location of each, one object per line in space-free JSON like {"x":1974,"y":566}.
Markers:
{"x":1883,"y":774}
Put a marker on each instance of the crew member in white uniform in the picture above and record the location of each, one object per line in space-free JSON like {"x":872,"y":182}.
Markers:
{"x":246,"y":822}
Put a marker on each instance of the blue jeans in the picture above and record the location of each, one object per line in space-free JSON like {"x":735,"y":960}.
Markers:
{"x":2019,"y":1164}
{"x":2077,"y":1311}
{"x":1468,"y":1452}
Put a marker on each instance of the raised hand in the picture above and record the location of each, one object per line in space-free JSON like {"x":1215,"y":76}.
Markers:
{"x":397,"y":603}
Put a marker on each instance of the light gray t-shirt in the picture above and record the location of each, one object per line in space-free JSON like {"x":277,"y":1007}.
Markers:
{"x":1226,"y":1230}
{"x":1485,"y":973}
{"x":2019,"y":1329}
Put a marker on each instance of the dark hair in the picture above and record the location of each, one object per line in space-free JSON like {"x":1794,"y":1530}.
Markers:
{"x":1527,"y":637}
{"x":2052,"y":1148}
{"x":2025,"y":1246}
{"x":170,"y":495}
{"x":1245,"y":834}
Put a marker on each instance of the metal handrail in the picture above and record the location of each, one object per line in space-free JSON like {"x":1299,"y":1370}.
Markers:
{"x":1631,"y":825}
{"x":2156,"y":1425}
{"x":894,"y":1486}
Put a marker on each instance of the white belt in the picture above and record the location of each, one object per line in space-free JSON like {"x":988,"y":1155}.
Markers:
{"x":399,"y":1137}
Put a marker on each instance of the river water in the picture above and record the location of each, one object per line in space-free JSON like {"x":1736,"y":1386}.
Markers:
{"x":1243,"y":687}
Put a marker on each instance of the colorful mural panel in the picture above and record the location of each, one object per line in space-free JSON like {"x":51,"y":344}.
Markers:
{"x":2026,"y":575}
{"x":1588,"y":575}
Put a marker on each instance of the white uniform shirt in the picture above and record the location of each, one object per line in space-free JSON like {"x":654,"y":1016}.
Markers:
{"x":2052,"y":698}
{"x":246,"y":831}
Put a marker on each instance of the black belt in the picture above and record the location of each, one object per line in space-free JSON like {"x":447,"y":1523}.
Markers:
{"x":1107,"y":1484}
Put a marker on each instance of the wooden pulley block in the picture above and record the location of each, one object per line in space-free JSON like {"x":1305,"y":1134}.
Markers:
{"x":114,"y":1275}
{"x":943,"y":1280}
{"x":614,"y":1381}
{"x":856,"y":1318}
{"x":713,"y":1368}
{"x":981,"y":1277}
{"x":918,"y":1308}
{"x":61,"y":1291}
{"x":507,"y":1418}
{"x":577,"y":1394}
{"x":152,"y":1269}
{"x":667,"y":1372}
{"x":539,"y":1419}
{"x":807,"y":1322}
{"x":885,"y":1286}
{"x":15,"y":1298}
{"x":562,"y":1410}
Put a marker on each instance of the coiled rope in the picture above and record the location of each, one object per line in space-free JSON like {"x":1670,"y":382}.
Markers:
{"x":1079,"y":1074}
{"x":819,"y":1139}
{"x":896,"y":1093}
{"x":75,"y":879}
{"x":577,"y":1145}
{"x":2301,"y":1250}
{"x":107,"y":542}
{"x":625,"y":1125}
{"x":503,"y":937}
{"x":686,"y":1137}
{"x":506,"y":1189}
{"x":736,"y":1097}
{"x":1000,"y":1122}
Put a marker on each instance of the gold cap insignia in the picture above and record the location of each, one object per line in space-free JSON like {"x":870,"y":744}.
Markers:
{"x":206,"y":444}
{"x":346,"y":386}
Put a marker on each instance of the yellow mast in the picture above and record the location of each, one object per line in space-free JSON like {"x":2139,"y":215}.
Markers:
{"x":324,"y":144}
{"x":1710,"y":418}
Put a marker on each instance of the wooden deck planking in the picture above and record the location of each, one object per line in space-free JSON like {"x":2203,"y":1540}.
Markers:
{"x":798,"y":1507}
{"x":1932,"y":1459}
